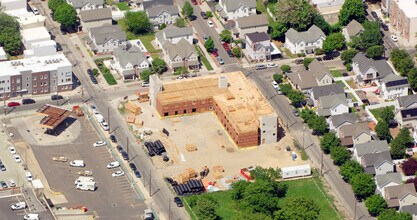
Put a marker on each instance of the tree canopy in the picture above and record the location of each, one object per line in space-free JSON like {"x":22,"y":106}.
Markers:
{"x":402,"y":61}
{"x":399,"y":144}
{"x":205,"y":208}
{"x":409,"y":166}
{"x":144,"y":75}
{"x":350,"y":169}
{"x":209,"y":45}
{"x":335,"y":41}
{"x":348,"y":55}
{"x":226,"y":36}
{"x":412,"y":78}
{"x":187,"y":9}
{"x":298,"y":208}
{"x":340,"y":155}
{"x":371,"y":36}
{"x":260,"y":173}
{"x":363,"y":185}
{"x":285,"y":68}
{"x":375,"y":51}
{"x":180,"y":22}
{"x":375,"y":204}
{"x":66,"y":15}
{"x":9,"y":34}
{"x":138,"y":22}
{"x":158,"y":65}
{"x":53,"y":4}
{"x":387,"y":114}
{"x":351,"y":10}
{"x":392,"y":214}
{"x":297,"y":14}
{"x":328,"y":141}
{"x":382,"y":130}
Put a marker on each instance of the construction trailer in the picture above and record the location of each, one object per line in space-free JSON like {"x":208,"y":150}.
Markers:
{"x":296,"y":171}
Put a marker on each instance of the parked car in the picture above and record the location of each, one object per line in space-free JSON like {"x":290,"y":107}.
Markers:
{"x":18,"y":206}
{"x":210,"y":24}
{"x":99,"y":144}
{"x":93,"y":80}
{"x":125,"y":155}
{"x":3,"y":184}
{"x":113,"y":165}
{"x":137,"y":174}
{"x":132,"y":166}
{"x":2,"y":167}
{"x":296,"y":112}
{"x":274,"y":84}
{"x":105,"y":126}
{"x":17,"y":158}
{"x":220,"y":60}
{"x":113,"y":138}
{"x":394,"y":38}
{"x":328,"y":57}
{"x":90,"y":72}
{"x":205,"y":38}
{"x":119,"y":148}
{"x":28,"y":101}
{"x":299,"y":61}
{"x":215,"y":52}
{"x":118,"y":173}
{"x":35,"y":11}
{"x":225,"y":46}
{"x":56,"y":97}
{"x":11,"y":149}
{"x":178,"y":201}
{"x":374,"y":14}
{"x":229,"y":52}
{"x":272,"y":65}
{"x":58,"y":47}
{"x":12,"y":183}
{"x":204,"y":15}
{"x":384,"y":27}
{"x":13,"y":104}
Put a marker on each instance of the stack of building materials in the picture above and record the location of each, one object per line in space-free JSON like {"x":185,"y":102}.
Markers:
{"x":192,"y":187}
{"x":143,"y":96}
{"x":131,"y":107}
{"x":191,"y":147}
{"x":187,"y":175}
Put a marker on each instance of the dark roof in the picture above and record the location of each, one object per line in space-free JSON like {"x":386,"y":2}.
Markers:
{"x":374,"y":160}
{"x":153,"y":3}
{"x":393,"y":80}
{"x":96,"y":15}
{"x":258,"y":36}
{"x":409,"y":113}
{"x":371,"y":148}
{"x":338,"y":120}
{"x":406,"y":101}
{"x":332,"y":89}
{"x":380,"y":66}
{"x":81,"y":3}
{"x":252,"y":21}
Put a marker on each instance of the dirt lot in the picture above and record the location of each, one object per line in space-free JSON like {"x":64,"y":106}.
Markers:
{"x":214,"y":147}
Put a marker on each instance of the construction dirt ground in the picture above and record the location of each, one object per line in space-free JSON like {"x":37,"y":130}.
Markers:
{"x":214,"y":147}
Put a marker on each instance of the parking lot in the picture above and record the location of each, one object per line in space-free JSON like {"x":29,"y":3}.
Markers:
{"x":113,"y":199}
{"x":7,"y":213}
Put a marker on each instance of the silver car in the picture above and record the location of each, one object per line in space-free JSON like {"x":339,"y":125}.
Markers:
{"x":220,"y":60}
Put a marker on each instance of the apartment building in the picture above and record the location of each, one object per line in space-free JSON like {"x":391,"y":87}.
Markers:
{"x":403,"y":16}
{"x":35,"y":75}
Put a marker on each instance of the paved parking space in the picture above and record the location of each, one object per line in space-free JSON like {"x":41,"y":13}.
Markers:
{"x":7,"y":213}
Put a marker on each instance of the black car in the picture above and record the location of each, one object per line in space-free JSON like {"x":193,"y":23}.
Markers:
{"x":374,"y":14}
{"x":327,"y":57}
{"x":299,"y":61}
{"x":56,"y":97}
{"x":229,"y":53}
{"x":3,"y":184}
{"x":90,"y":72}
{"x":2,"y":167}
{"x":133,"y":166}
{"x":384,"y":27}
{"x":28,"y":101}
{"x":319,"y":58}
{"x":137,"y":174}
{"x":204,"y":15}
{"x":58,"y":47}
{"x":296,"y":112}
{"x":113,"y":138}
{"x":178,"y":201}
{"x":120,"y":148}
{"x":125,"y":156}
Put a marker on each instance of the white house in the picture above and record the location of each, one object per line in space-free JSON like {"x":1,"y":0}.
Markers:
{"x":85,"y":5}
{"x":162,"y":14}
{"x":362,"y":149}
{"x":306,"y":41}
{"x":234,"y":9}
{"x":173,"y":35}
{"x":129,"y":63}
{"x":258,"y":46}
{"x":95,"y":18}
{"x":377,"y":163}
{"x":394,"y":86}
{"x":182,"y":54}
{"x":351,"y":30}
{"x":250,"y":24}
{"x":369,"y":70}
{"x":332,"y":105}
{"x":320,"y":91}
{"x":31,"y":21}
{"x":316,"y":75}
{"x":3,"y":55}
{"x":106,"y":39}
{"x":39,"y":49}
{"x":386,"y":180}
{"x":406,"y":111}
{"x":296,"y":171}
{"x":34,"y":35}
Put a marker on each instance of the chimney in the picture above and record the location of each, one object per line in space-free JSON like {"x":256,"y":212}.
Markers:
{"x":223,"y":82}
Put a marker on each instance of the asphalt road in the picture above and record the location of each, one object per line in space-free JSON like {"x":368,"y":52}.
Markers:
{"x":330,"y":172}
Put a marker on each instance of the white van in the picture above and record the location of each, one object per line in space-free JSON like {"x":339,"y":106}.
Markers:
{"x":99,"y":118}
{"x":31,"y":216}
{"x":77,"y":163}
{"x":86,"y":186}
{"x":83,"y":179}
{"x":35,"y":11}
{"x":260,"y":66}
{"x":29,"y":176}
{"x":18,"y":206}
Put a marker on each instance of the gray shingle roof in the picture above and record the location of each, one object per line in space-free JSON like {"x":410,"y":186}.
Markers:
{"x":309,"y":36}
{"x":173,"y":31}
{"x":394,"y":193}
{"x":374,"y":160}
{"x":252,"y":21}
{"x":320,"y":91}
{"x":307,"y":79}
{"x":354,"y":28}
{"x":132,"y":55}
{"x":318,"y":69}
{"x":81,"y":3}
{"x":258,"y":37}
{"x":406,"y":101}
{"x":149,"y":4}
{"x":412,"y":209}
{"x":338,"y":120}
{"x":233,"y":5}
{"x":354,"y":130}
{"x":384,"y":179}
{"x":364,"y":63}
{"x":371,"y":147}
{"x":330,"y":101}
{"x":104,"y":33}
{"x":96,"y":14}
{"x":182,"y":48}
{"x":157,"y":10}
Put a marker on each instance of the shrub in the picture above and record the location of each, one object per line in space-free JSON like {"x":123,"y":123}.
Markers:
{"x":409,"y":167}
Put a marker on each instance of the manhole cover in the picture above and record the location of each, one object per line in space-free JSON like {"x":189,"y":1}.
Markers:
{"x":113,"y":205}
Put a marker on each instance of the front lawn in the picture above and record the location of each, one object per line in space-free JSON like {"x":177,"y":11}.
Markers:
{"x":145,"y":38}
{"x":123,"y":6}
{"x":106,"y":72}
{"x":203,"y":58}
{"x":377,"y":112}
{"x":353,"y":97}
{"x":336,"y":73}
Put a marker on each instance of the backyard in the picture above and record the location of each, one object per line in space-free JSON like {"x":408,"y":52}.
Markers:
{"x":377,"y":112}
{"x":123,"y":6}
{"x":311,"y":188}
{"x":145,"y":38}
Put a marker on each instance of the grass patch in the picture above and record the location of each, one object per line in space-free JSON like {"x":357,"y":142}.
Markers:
{"x":145,"y":38}
{"x":351,"y":83}
{"x":106,"y":72}
{"x":261,"y":7}
{"x":308,"y":188}
{"x":123,"y":6}
{"x":288,"y":53}
{"x":336,"y":73}
{"x":203,"y":58}
{"x":353,"y":97}
{"x":377,"y":112}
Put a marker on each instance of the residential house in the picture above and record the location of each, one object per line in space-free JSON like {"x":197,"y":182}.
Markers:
{"x":234,"y":9}
{"x":258,"y":46}
{"x":351,"y":30}
{"x":412,"y":209}
{"x":250,"y":24}
{"x":386,"y":180}
{"x":173,"y":35}
{"x":316,"y":75}
{"x":129,"y":63}
{"x":369,"y":70}
{"x":394,"y":86}
{"x":337,"y":121}
{"x":332,"y":105}
{"x":161,"y":12}
{"x":304,"y":42}
{"x":182,"y":54}
{"x":320,"y":91}
{"x":95,"y":18}
{"x":365,"y":148}
{"x":31,"y":21}
{"x":42,"y":48}
{"x":85,"y":5}
{"x":354,"y":134}
{"x":377,"y":163}
{"x":106,"y":39}
{"x":3,"y":55}
{"x":34,"y":35}
{"x":406,"y":111}
{"x":403,"y":16}
{"x":16,"y":8}
{"x":328,"y":8}
{"x":401,"y":195}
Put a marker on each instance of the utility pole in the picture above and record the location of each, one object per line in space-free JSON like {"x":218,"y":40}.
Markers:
{"x":356,"y":203}
{"x":304,"y":129}
{"x":108,"y":119}
{"x":127,"y":146}
{"x":321,"y":166}
{"x":150,"y":182}
{"x":82,"y":93}
{"x":169,"y":209}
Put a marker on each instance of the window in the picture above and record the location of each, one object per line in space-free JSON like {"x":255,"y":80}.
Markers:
{"x":185,"y":111}
{"x":194,"y":110}
{"x":176,"y":112}
{"x":166,"y":114}
{"x":34,"y":78}
{"x":41,"y":77}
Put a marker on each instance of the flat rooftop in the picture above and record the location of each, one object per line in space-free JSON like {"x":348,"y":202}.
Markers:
{"x":37,"y":33}
{"x":409,"y":7}
{"x":241,"y":101}
{"x":53,"y":116}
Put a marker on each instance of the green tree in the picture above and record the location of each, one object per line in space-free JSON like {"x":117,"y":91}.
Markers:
{"x":328,"y":141}
{"x":335,"y":41}
{"x":180,"y":22}
{"x":66,"y":15}
{"x":412,"y":78}
{"x":351,"y":10}
{"x":9,"y":34}
{"x":285,"y":88}
{"x":181,"y":71}
{"x":340,"y":155}
{"x":307,"y":61}
{"x":206,"y":208}
{"x":363,"y":185}
{"x":297,"y":14}
{"x":350,"y":169}
{"x":382,"y":130}
{"x":387,"y":114}
{"x":278,"y":77}
{"x":296,"y":97}
{"x":95,"y":72}
{"x":298,"y":208}
{"x":237,"y":52}
{"x":162,"y":26}
{"x":399,"y":144}
{"x":318,"y":124}
{"x":209,"y":14}
{"x":250,"y":216}
{"x":348,"y":55}
{"x":138,"y":22}
{"x":285,"y":68}
{"x":307,"y":114}
{"x":226,"y":36}
{"x":53,"y":4}
{"x":239,"y":188}
{"x":158,"y":65}
{"x":371,"y":36}
{"x":260,"y":173}
{"x":375,"y":204}
{"x":187,"y":10}
{"x":375,"y":51}
{"x":277,"y":29}
{"x":319,"y":21}
{"x":209,"y":45}
{"x":392,"y":214}
{"x":144,"y":75}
